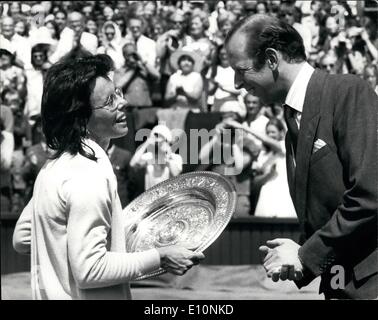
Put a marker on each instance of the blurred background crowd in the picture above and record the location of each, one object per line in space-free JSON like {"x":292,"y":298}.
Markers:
{"x":172,"y":67}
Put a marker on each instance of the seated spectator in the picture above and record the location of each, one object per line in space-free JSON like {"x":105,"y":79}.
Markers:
{"x":157,"y":28}
{"x":120,"y":160}
{"x":91,"y":26}
{"x":21,"y":128}
{"x":156,"y":156}
{"x":34,"y":82}
{"x":198,"y":41}
{"x":274,"y":199}
{"x":88,"y":11}
{"x":16,"y":44}
{"x":120,"y":20}
{"x":261,"y":7}
{"x":53,"y":28}
{"x":293,"y":16}
{"x":112,"y":44}
{"x":185,"y":86}
{"x":328,"y":63}
{"x":60,"y":19}
{"x":236,"y":8}
{"x":108,"y":13}
{"x":225,"y":21}
{"x":370,"y":74}
{"x":222,"y":78}
{"x":135,"y":78}
{"x":145,"y":46}
{"x":255,"y":119}
{"x":168,"y":43}
{"x":21,"y":27}
{"x":225,"y":154}
{"x":14,"y":8}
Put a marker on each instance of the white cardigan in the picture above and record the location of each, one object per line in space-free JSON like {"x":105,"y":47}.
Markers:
{"x":74,"y":229}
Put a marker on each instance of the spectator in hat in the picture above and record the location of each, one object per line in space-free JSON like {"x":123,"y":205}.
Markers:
{"x":185,"y":86}
{"x":135,"y":77}
{"x":156,"y":156}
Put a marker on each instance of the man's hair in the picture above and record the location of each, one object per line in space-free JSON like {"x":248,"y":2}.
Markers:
{"x":263,"y":32}
{"x":66,"y":105}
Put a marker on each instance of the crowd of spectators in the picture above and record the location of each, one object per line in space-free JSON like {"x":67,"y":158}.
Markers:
{"x":169,"y":56}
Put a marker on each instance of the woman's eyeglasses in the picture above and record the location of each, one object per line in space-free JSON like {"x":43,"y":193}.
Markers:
{"x":110,"y":103}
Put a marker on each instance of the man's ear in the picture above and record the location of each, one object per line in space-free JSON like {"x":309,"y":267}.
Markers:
{"x":272,"y":58}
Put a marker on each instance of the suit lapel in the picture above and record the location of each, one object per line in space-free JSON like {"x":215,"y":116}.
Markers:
{"x":308,"y":127}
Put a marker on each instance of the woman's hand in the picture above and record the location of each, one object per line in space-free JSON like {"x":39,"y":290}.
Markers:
{"x":178,"y":260}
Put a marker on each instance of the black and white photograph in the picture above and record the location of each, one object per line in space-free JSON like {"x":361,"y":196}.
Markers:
{"x":203,"y":153}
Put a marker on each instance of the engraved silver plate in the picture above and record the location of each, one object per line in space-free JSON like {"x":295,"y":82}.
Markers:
{"x":190,"y":210}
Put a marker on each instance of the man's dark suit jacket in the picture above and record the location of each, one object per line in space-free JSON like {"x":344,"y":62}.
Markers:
{"x":334,"y":189}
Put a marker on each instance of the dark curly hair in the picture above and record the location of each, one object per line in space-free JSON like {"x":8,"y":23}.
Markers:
{"x":66,"y":107}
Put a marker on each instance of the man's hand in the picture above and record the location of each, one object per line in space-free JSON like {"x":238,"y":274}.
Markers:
{"x":281,"y":260}
{"x":177,"y":260}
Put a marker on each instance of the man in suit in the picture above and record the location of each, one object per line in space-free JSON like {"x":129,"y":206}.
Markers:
{"x":331,"y":159}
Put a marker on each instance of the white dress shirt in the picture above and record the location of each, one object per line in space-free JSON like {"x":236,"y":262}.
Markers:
{"x":296,"y":96}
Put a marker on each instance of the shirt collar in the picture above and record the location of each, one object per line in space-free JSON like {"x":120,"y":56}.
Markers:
{"x":99,"y":152}
{"x":296,"y":95}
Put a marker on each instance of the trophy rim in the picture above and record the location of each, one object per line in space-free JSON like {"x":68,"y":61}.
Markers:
{"x":135,"y":208}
